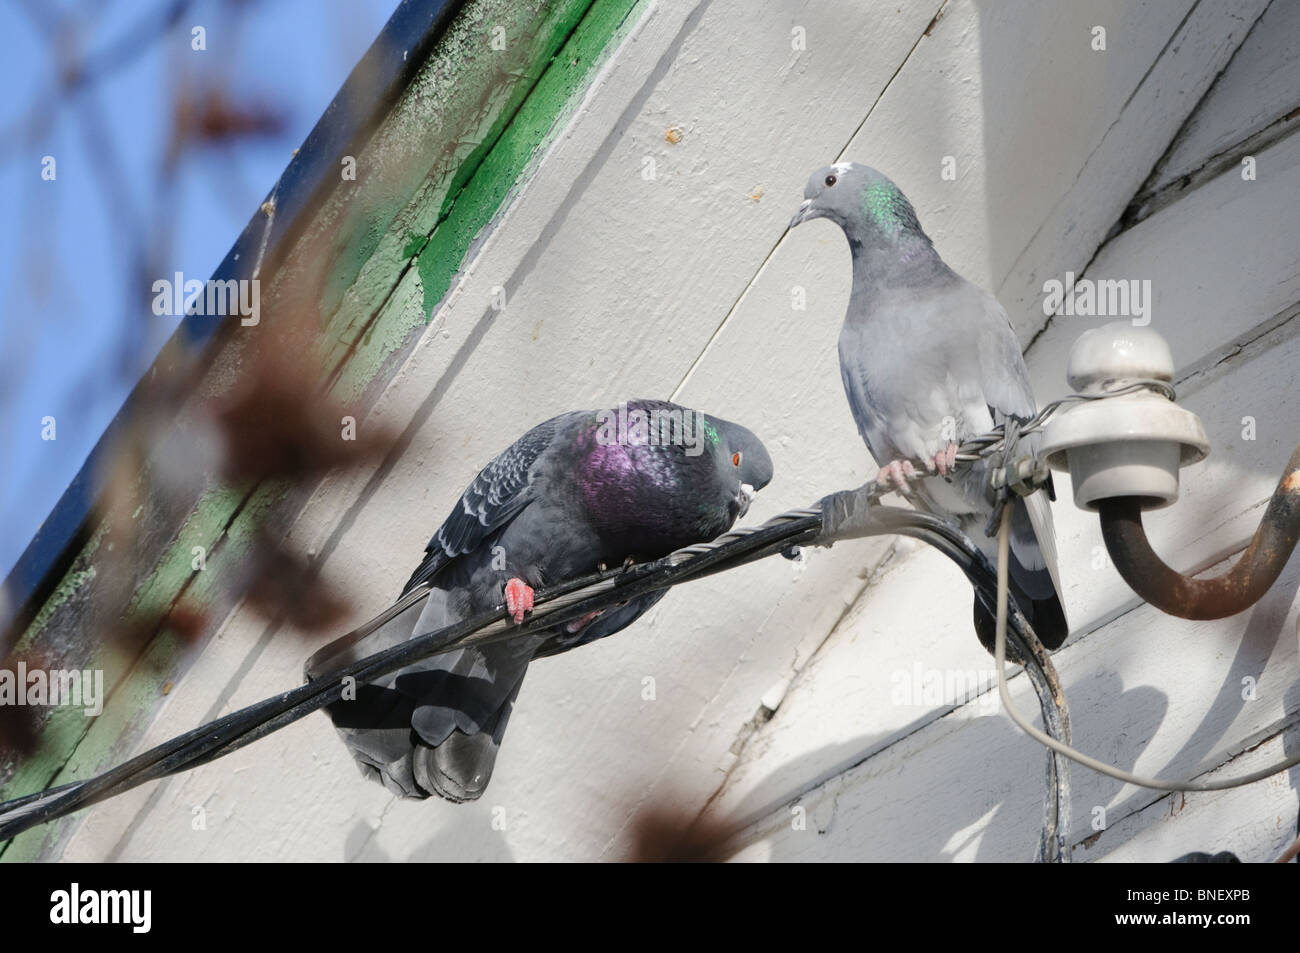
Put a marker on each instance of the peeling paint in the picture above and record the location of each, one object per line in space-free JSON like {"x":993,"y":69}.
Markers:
{"x":69,"y":587}
{"x":469,"y":210}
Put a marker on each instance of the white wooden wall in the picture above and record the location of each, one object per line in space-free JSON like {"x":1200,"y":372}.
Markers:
{"x":883,"y":781}
{"x":681,"y":286}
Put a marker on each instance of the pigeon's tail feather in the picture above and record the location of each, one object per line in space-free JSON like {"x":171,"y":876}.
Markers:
{"x":470,"y":690}
{"x":434,"y":727}
{"x":460,"y":705}
{"x":1029,"y":568}
{"x":1032,"y":523}
{"x":1045,"y":615}
{"x":1032,"y":575}
{"x":460,"y":766}
{"x":1033,"y":583}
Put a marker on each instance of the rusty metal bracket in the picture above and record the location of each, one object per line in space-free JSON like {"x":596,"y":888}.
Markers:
{"x":1221,"y":596}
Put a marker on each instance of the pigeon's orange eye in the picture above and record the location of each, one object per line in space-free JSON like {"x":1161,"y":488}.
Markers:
{"x":735,"y":459}
{"x":831,"y":180}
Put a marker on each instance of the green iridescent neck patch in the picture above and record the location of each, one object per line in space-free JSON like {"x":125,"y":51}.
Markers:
{"x":885,"y":204}
{"x":709,"y":430}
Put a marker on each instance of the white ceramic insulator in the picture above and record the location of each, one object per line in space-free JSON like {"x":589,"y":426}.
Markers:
{"x":1129,"y":445}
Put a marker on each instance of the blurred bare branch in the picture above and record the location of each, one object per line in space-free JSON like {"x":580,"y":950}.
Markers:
{"x":277,"y":425}
{"x":207,"y":116}
{"x":667,"y":832}
{"x":282,"y":584}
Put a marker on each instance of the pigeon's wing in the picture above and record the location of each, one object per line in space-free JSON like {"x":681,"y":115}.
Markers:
{"x":868,"y":421}
{"x":498,"y":494}
{"x":1009,"y":394}
{"x":1003,"y":375}
{"x":397,"y":618}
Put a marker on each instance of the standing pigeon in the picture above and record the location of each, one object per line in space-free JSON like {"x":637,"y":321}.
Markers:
{"x":583,"y":490}
{"x":929,"y":359}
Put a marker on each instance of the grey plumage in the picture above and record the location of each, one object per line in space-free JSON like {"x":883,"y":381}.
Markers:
{"x":568,"y":496}
{"x":928,"y":359}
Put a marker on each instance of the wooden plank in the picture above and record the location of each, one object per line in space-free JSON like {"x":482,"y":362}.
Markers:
{"x":1090,"y":208}
{"x":1258,"y":90}
{"x":1097,"y":122}
{"x":878,"y":677}
{"x":474,"y":171}
{"x":1256,"y":822}
{"x":1212,"y":277}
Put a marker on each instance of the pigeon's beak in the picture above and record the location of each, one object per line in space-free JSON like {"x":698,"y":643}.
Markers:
{"x":744,"y":498}
{"x":802,"y":214}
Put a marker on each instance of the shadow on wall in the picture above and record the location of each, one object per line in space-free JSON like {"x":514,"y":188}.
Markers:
{"x":947,"y":816}
{"x":951,"y":816}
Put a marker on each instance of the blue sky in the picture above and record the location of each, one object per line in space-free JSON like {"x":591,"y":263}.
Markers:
{"x":75,"y":329}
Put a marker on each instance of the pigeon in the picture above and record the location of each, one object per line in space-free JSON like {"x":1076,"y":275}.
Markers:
{"x":582,"y":491}
{"x":928,"y":359}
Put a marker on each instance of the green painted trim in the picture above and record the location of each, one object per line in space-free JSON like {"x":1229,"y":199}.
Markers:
{"x":489,"y":185}
{"x":531,"y":130}
{"x":482,"y":87}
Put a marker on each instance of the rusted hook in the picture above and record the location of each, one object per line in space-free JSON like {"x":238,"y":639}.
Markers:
{"x":1217,"y":598}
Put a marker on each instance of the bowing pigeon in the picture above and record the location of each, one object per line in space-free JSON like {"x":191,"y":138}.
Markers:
{"x":927,"y":360}
{"x":583,"y":490}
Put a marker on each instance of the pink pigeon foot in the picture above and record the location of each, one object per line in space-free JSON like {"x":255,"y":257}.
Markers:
{"x":946,"y":459}
{"x":896,"y":473}
{"x":519,"y":599}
